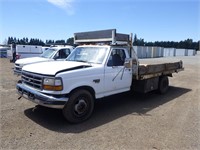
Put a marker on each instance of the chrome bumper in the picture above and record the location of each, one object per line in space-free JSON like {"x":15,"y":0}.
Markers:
{"x":40,"y":98}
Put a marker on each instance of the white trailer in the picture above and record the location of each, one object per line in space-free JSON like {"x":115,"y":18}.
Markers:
{"x":25,"y":51}
{"x":3,"y":51}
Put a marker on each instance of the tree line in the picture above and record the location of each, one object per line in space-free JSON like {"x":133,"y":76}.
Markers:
{"x":187,"y":44}
{"x":35,"y":41}
{"x":25,"y":41}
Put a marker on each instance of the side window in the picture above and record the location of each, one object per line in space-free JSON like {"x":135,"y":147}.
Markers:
{"x":117,"y":57}
{"x":67,"y":52}
{"x":62,"y":53}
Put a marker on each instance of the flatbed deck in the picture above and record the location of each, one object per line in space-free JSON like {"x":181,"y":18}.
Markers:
{"x":151,"y":70}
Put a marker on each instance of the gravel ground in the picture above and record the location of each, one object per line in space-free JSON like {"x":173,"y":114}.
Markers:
{"x":124,"y":121}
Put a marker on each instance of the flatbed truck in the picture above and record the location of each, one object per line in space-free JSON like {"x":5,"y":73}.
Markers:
{"x":102,"y":65}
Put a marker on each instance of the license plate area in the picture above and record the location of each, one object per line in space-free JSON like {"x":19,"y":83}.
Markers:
{"x":26,"y":94}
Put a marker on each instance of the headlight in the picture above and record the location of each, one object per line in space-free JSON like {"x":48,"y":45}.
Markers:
{"x":52,"y":84}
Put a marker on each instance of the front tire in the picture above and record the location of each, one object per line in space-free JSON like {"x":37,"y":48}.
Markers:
{"x":79,"y":107}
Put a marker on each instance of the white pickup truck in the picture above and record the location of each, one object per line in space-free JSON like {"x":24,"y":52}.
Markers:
{"x":53,"y":53}
{"x":101,"y":66}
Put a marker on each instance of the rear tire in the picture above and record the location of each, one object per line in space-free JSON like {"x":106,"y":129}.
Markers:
{"x":79,"y":107}
{"x":163,"y":84}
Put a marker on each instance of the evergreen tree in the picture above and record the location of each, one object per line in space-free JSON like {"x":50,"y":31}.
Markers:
{"x":135,"y":40}
{"x":26,"y":40}
{"x":70,"y":41}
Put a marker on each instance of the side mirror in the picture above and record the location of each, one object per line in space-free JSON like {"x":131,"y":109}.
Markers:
{"x":128,"y":63}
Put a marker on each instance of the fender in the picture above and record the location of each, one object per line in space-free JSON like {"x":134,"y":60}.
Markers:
{"x":93,"y":78}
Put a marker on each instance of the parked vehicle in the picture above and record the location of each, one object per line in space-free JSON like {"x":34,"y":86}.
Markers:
{"x":25,"y":51}
{"x":3,"y":51}
{"x":11,"y":53}
{"x":104,"y":64}
{"x":51,"y":54}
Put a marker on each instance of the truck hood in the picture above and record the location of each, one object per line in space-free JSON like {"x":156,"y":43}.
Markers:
{"x":54,"y":67}
{"x":30,"y":60}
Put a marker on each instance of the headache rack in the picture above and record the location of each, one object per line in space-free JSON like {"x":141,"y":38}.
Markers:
{"x":109,"y":37}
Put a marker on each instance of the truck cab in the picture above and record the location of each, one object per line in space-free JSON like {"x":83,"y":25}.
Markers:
{"x":51,"y":54}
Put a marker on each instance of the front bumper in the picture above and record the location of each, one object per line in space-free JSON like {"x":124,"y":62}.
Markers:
{"x":17,"y":71}
{"x":41,"y":98}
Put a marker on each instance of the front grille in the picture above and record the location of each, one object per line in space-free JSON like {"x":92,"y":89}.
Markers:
{"x":17,"y":67}
{"x":32,"y":80}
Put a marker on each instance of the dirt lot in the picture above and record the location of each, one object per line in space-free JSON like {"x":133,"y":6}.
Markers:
{"x":125,"y":121}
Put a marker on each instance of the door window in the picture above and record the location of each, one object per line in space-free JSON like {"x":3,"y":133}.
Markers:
{"x":117,"y":58}
{"x":63,"y":53}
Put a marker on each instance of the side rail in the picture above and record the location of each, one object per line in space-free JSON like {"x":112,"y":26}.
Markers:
{"x":150,"y":71}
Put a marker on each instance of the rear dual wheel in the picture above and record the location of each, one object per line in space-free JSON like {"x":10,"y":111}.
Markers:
{"x":163,"y":85}
{"x":79,"y":107}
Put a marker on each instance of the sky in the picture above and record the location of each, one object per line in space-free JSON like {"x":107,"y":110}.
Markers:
{"x":151,"y":20}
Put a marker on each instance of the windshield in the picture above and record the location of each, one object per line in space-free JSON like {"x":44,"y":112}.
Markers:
{"x":88,"y":54}
{"x":48,"y":53}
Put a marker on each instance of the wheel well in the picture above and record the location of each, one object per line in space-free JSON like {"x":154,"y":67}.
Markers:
{"x":169,"y":75}
{"x":88,"y":88}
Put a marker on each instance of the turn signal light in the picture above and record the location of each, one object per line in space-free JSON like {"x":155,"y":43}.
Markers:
{"x":52,"y":88}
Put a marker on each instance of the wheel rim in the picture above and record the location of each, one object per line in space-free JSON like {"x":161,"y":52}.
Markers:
{"x":80,"y":107}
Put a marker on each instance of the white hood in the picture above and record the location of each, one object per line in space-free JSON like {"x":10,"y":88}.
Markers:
{"x":25,"y":61}
{"x":51,"y":68}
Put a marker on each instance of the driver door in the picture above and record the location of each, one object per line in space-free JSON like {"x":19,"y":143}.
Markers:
{"x":118,"y":78}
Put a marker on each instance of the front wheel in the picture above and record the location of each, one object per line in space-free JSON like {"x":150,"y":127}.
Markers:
{"x":163,"y":84}
{"x":79,"y":107}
